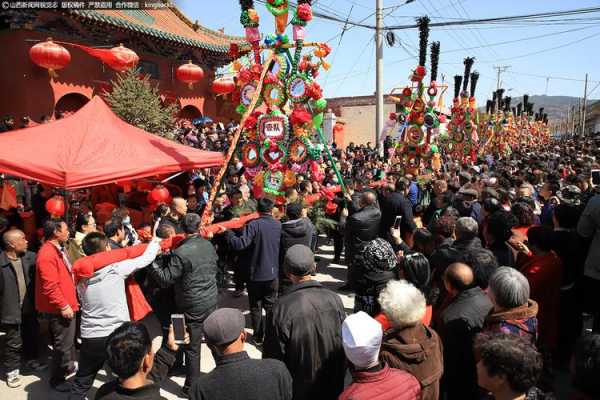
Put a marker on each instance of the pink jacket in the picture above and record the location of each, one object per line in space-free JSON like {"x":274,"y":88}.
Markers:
{"x":385,"y":384}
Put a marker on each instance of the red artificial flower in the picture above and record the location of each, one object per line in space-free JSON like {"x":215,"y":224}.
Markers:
{"x":314,"y":91}
{"x":300,"y":117}
{"x":270,"y":78}
{"x":393,"y":116}
{"x":304,"y":12}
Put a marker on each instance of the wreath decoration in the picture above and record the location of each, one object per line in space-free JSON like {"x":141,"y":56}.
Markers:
{"x":298,"y":151}
{"x":297,"y":88}
{"x":274,"y":94}
{"x":250,"y":155}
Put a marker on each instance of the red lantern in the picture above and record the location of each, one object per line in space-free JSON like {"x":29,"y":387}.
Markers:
{"x":55,"y":206}
{"x":159,"y":194}
{"x":189,"y":73}
{"x":222,"y":86}
{"x":50,"y":55}
{"x":124,"y":58}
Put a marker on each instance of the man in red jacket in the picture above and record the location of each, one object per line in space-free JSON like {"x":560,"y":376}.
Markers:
{"x":55,"y":299}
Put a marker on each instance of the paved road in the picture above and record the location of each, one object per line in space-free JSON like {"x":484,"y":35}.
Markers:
{"x":35,"y":386}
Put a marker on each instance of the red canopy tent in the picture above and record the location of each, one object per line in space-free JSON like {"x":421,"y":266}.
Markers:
{"x":94,"y":147}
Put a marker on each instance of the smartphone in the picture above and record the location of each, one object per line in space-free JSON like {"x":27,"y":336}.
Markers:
{"x":596,"y":177}
{"x":178,"y":321}
{"x":397,"y":222}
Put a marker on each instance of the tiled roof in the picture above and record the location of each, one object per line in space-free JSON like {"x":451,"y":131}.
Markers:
{"x":167,"y":24}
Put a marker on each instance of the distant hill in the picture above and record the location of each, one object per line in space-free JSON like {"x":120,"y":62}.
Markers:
{"x":555,"y":106}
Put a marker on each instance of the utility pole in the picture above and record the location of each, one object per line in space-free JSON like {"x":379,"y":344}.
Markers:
{"x":572,"y":120}
{"x":379,"y":73}
{"x":499,"y":69}
{"x":584,"y":106}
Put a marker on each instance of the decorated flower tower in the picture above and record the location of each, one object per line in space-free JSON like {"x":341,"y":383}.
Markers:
{"x":279,"y":99}
{"x":462,"y":128}
{"x":417,"y":113}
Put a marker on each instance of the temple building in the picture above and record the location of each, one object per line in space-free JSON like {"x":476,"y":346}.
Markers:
{"x":162,"y":38}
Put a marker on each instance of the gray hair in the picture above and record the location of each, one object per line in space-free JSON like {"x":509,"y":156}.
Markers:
{"x":466,"y":227}
{"x":191,"y":223}
{"x":509,"y":288}
{"x":402,"y":303}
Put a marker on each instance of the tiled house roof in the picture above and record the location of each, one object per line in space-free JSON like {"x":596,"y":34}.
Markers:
{"x":166,"y":24}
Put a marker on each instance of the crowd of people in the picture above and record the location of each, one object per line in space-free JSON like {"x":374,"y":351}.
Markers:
{"x":478,"y":281}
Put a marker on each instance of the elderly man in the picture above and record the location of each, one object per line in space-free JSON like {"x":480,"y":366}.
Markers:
{"x":514,"y":312}
{"x":17,"y":313}
{"x":462,"y":320}
{"x":236,"y":375}
{"x":305,"y":329}
{"x":409,"y":345}
{"x":178,"y":210}
{"x":56,"y":300}
{"x":361,"y":228}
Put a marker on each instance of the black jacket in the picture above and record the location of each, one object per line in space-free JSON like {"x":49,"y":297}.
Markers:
{"x":163,"y":361}
{"x":361,"y":228}
{"x":462,"y":320}
{"x":192,"y":268}
{"x":262,"y":235}
{"x":10,"y":309}
{"x":447,"y":253}
{"x":306,"y":334}
{"x":298,"y":231}
{"x":238,"y":377}
{"x":393,"y":205}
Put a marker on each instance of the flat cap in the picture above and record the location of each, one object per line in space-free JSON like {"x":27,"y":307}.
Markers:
{"x":299,"y":260}
{"x":223,"y":326}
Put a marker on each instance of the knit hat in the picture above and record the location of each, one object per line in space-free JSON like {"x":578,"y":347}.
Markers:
{"x":362,"y":337}
{"x":379,"y":255}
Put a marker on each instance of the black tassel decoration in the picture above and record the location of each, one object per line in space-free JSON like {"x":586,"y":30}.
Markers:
{"x":246,"y":4}
{"x":499,"y":99}
{"x":507,"y":101}
{"x":435,"y":58}
{"x":541,"y":112}
{"x":545,"y":119}
{"x":519,"y":108}
{"x":457,"y":82}
{"x":488,"y":106}
{"x":494,"y":97}
{"x":474,"y":80}
{"x":468,"y":65}
{"x":525,"y":102}
{"x":305,"y":2}
{"x":423,"y":24}
{"x":514,"y":111}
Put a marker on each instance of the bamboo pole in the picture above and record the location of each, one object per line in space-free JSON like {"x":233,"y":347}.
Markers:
{"x":214,"y":190}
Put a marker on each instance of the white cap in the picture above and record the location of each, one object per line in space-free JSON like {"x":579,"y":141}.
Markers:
{"x":362,"y":340}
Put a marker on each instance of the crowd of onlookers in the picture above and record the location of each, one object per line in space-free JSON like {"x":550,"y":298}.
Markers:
{"x":478,"y":281}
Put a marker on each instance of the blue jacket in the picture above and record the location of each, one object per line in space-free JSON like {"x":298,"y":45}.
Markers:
{"x":262,"y":235}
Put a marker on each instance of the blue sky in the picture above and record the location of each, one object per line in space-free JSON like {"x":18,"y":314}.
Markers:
{"x":353,"y":60}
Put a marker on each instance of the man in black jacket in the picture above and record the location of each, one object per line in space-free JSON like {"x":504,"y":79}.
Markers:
{"x":305,"y":331}
{"x":263,"y":236}
{"x":17,"y":314}
{"x":361,"y":228}
{"x":237,"y":376}
{"x":397,"y":204}
{"x":296,"y":230}
{"x":462,"y":320}
{"x":192,"y":268}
